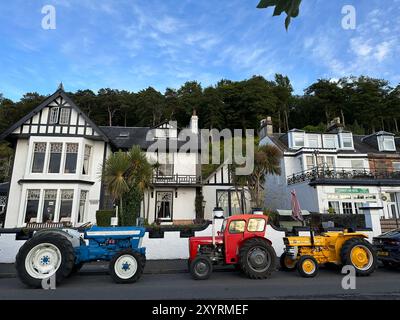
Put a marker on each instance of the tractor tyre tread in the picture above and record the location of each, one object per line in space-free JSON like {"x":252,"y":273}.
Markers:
{"x":346,"y":250}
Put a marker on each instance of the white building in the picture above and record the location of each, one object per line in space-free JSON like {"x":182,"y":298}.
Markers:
{"x":59,"y":153}
{"x":335,"y":171}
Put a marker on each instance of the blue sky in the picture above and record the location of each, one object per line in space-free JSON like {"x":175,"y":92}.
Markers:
{"x":133,"y":44}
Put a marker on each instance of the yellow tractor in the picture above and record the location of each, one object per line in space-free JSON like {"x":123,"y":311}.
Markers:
{"x":307,"y":253}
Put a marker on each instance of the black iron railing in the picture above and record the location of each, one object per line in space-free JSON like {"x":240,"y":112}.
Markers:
{"x":340,"y":174}
{"x":178,"y":179}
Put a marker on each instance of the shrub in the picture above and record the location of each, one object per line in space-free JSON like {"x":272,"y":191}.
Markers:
{"x":103,"y":217}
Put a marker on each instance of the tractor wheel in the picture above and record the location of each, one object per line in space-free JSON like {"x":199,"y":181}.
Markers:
{"x":287,"y":264}
{"x":360,"y":254}
{"x":126,"y":266}
{"x":43,"y":256}
{"x":76,"y":268}
{"x":257,"y":258}
{"x":307,"y":266}
{"x":201,"y":268}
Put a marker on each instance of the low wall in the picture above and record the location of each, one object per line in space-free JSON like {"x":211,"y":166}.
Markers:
{"x":171,"y":246}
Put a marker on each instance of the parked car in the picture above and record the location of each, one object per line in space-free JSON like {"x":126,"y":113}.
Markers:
{"x":387,"y":246}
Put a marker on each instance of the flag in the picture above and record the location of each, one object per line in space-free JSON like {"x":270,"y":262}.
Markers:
{"x":296,"y":211}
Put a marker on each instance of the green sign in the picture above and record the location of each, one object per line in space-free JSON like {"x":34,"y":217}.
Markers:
{"x":351,"y":190}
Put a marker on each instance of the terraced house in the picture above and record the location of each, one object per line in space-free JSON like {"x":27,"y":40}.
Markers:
{"x":335,"y":171}
{"x":59,"y":152}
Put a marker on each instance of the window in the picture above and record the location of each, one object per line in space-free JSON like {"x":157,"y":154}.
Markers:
{"x":32,"y":205}
{"x":357,"y":164}
{"x":237,"y":226}
{"x":230,"y":201}
{"x":386,"y":143}
{"x":256,"y":225}
{"x":55,"y":157}
{"x":64,"y":115}
{"x":334,"y":207}
{"x":396,"y":166}
{"x":86,"y":159}
{"x":49,"y":205}
{"x":347,"y":140}
{"x":330,"y":141}
{"x":38,"y":157}
{"x":330,"y":162}
{"x":357,"y":206}
{"x":67,"y":198}
{"x":312,"y":140}
{"x":54,"y":115}
{"x":347,"y":207}
{"x":166,"y":164}
{"x":298,"y":139}
{"x":82,"y":206}
{"x":310,"y":162}
{"x":71,"y":158}
{"x":164,"y":205}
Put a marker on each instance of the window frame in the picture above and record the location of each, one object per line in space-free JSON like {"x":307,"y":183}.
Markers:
{"x":61,"y":115}
{"x":171,"y":208}
{"x":235,"y":221}
{"x":50,"y":154}
{"x":65,"y":157}
{"x":51,"y":115}
{"x":44,"y":157}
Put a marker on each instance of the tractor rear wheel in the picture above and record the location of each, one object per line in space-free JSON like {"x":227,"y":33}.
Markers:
{"x":360,"y":254}
{"x":201,"y":268}
{"x":257,"y":258}
{"x":287,"y":263}
{"x":43,"y":256}
{"x":126,"y":266}
{"x":307,"y":266}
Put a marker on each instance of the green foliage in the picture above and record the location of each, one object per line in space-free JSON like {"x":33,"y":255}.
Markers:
{"x":103,"y":217}
{"x":290,"y":7}
{"x":319,"y":128}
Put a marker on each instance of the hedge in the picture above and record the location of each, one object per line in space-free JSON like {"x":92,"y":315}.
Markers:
{"x":103,"y":217}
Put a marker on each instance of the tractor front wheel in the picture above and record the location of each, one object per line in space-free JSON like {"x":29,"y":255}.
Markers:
{"x":360,"y":254}
{"x":307,"y":266}
{"x":126,"y":266}
{"x":287,"y":263}
{"x":45,"y":255}
{"x":257,"y":258}
{"x":201,"y":268}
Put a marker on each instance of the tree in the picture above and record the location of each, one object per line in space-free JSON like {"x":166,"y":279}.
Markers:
{"x":127,"y":175}
{"x":283,"y":92}
{"x":266,"y":161}
{"x":290,"y":7}
{"x":150,"y":105}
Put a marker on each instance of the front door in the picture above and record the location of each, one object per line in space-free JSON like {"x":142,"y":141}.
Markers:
{"x":164,"y":205}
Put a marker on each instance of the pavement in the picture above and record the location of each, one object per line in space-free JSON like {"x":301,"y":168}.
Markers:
{"x":169,"y":280}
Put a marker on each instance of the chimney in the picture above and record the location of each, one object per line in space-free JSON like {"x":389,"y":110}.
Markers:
{"x":194,"y":122}
{"x":335,"y":125}
{"x":266,"y":127}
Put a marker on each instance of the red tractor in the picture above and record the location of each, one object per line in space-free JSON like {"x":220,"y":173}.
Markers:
{"x":241,"y":242}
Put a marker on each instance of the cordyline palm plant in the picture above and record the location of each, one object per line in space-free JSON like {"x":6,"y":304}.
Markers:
{"x":266,"y":161}
{"x":124,"y":172}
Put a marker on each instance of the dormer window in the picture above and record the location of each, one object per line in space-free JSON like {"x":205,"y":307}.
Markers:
{"x":346,"y":140}
{"x":312,"y":140}
{"x":298,"y":139}
{"x":330,"y":141}
{"x":386,"y":143}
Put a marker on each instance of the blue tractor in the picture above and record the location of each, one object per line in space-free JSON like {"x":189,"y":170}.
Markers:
{"x":61,"y":252}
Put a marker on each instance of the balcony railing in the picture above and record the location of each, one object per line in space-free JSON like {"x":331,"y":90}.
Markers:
{"x":341,"y":174}
{"x":176,"y":179}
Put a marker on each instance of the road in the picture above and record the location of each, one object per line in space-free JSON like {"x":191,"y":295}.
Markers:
{"x":222,"y":285}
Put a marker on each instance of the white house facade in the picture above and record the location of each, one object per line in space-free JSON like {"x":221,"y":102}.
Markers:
{"x":59,"y":153}
{"x":335,"y":171}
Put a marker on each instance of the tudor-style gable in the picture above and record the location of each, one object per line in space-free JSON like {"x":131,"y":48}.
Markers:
{"x":58,"y":115}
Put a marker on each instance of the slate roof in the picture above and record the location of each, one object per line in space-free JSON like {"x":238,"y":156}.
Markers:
{"x":127,"y":137}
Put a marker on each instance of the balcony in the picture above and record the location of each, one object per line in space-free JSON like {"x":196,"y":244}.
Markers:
{"x":176,"y":179}
{"x":345,"y":176}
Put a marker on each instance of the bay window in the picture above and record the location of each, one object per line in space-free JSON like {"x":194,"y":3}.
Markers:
{"x":55,"y":157}
{"x":32,"y":205}
{"x":71,"y":158}
{"x":86,"y":159}
{"x":67,"y":198}
{"x":39,"y":155}
{"x":82,"y":205}
{"x":49,"y":205}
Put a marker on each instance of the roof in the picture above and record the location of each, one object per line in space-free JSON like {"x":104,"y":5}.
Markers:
{"x":59,"y":93}
{"x":363,"y":144}
{"x":127,"y":137}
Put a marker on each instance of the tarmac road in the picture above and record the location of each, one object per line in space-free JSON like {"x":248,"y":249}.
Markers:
{"x":383,"y":284}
